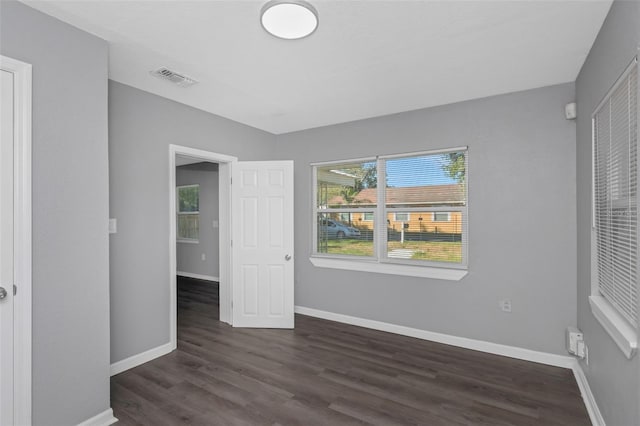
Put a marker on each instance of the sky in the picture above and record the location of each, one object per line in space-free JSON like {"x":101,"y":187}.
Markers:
{"x":417,"y":171}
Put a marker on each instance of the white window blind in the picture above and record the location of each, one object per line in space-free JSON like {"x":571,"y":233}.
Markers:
{"x":615,"y":169}
{"x":419,"y":190}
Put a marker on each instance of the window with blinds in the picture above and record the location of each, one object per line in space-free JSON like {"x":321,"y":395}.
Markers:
{"x":418,"y":216}
{"x":615,"y":187}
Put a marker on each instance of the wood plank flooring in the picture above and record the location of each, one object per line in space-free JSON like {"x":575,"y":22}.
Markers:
{"x":327,"y":373}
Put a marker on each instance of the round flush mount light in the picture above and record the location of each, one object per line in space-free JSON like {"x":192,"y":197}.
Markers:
{"x":289,"y":19}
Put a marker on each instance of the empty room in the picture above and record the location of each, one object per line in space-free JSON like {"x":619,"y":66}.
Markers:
{"x":319,"y":212}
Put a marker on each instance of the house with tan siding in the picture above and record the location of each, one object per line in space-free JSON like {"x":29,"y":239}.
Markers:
{"x":428,"y":221}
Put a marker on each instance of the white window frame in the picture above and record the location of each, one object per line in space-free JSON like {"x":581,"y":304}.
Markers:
{"x":395,"y":217}
{"x":180,"y":213}
{"x":624,"y":334}
{"x":433,"y":217}
{"x":381,"y":263}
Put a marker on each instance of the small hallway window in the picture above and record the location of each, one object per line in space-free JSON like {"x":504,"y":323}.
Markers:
{"x":188,"y":212}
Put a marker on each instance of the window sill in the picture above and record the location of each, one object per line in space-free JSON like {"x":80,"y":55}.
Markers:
{"x":618,"y":328}
{"x":389,"y":268}
{"x":188,"y":241}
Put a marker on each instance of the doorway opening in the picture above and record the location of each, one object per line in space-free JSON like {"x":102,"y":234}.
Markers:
{"x":15,"y":242}
{"x":194,"y":227}
{"x":197,"y":249}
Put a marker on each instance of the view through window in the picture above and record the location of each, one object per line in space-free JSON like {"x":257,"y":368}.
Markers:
{"x":419,"y":216}
{"x":188,"y":212}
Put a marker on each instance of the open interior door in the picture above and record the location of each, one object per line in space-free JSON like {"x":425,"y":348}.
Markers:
{"x":262,"y":244}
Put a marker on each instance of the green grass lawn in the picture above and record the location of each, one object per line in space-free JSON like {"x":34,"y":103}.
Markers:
{"x":349,"y":246}
{"x":442,"y":251}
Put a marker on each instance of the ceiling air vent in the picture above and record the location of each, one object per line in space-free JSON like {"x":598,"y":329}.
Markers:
{"x":173,"y":77}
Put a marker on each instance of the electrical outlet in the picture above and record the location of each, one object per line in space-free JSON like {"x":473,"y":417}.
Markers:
{"x":586,"y":354}
{"x":505,"y":305}
{"x":113,"y":225}
{"x":581,"y":349}
{"x":204,"y":257}
{"x":573,"y":337}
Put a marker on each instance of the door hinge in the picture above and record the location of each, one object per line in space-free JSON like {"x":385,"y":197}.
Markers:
{"x":15,"y":289}
{"x":231,"y":243}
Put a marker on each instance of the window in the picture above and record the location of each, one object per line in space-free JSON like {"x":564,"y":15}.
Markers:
{"x":401,"y":217}
{"x":393,"y":223}
{"x":188,"y":212}
{"x":346,"y":217}
{"x":615,"y":208}
{"x":441,"y":217}
{"x":345,"y":190}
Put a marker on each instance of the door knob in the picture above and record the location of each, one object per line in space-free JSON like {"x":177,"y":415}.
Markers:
{"x":3,"y":293}
{"x":287,"y":257}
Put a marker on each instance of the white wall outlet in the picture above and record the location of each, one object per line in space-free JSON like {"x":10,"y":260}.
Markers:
{"x":505,"y":305}
{"x":570,"y":111}
{"x":580,"y":353}
{"x":586,"y":354}
{"x":574,"y":337}
{"x":113,"y":226}
{"x":204,"y":256}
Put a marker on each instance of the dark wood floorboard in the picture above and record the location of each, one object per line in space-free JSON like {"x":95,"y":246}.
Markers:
{"x":327,"y":373}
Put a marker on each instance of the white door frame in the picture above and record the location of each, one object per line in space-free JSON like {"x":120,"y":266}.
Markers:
{"x":225,"y":163}
{"x":22,"y":237}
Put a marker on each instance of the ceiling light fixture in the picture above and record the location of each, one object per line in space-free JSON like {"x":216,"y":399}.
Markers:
{"x":289,"y":19}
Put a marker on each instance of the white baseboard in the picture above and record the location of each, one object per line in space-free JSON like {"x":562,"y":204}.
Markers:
{"x":103,"y":419}
{"x":141,"y":358}
{"x":198,"y":276}
{"x":462,"y":342}
{"x":587,"y":395}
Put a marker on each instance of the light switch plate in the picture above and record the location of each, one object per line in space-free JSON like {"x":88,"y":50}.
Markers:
{"x":113,"y":226}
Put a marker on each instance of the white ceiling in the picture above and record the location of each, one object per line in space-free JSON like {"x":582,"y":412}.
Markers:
{"x":367,"y":58}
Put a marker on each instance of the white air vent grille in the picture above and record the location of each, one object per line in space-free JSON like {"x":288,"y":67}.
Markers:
{"x":173,"y":77}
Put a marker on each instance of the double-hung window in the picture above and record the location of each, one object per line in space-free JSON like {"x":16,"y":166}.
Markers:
{"x":614,"y":297}
{"x":188,"y":213}
{"x":408,"y":209}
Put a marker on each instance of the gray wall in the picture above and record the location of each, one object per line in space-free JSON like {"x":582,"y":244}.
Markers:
{"x":141,"y":127}
{"x":613,"y":379}
{"x":189,"y":255}
{"x":70,"y":212}
{"x":521,"y":212}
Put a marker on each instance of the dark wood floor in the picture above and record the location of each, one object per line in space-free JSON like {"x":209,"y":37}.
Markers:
{"x":326,"y":373}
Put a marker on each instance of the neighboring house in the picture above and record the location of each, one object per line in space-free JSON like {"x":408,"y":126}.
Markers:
{"x":410,"y":197}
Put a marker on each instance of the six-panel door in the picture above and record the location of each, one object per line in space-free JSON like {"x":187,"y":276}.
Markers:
{"x":263,"y":244}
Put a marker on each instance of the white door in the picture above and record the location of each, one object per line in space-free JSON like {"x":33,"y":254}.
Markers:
{"x":6,"y":249}
{"x":262,"y":244}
